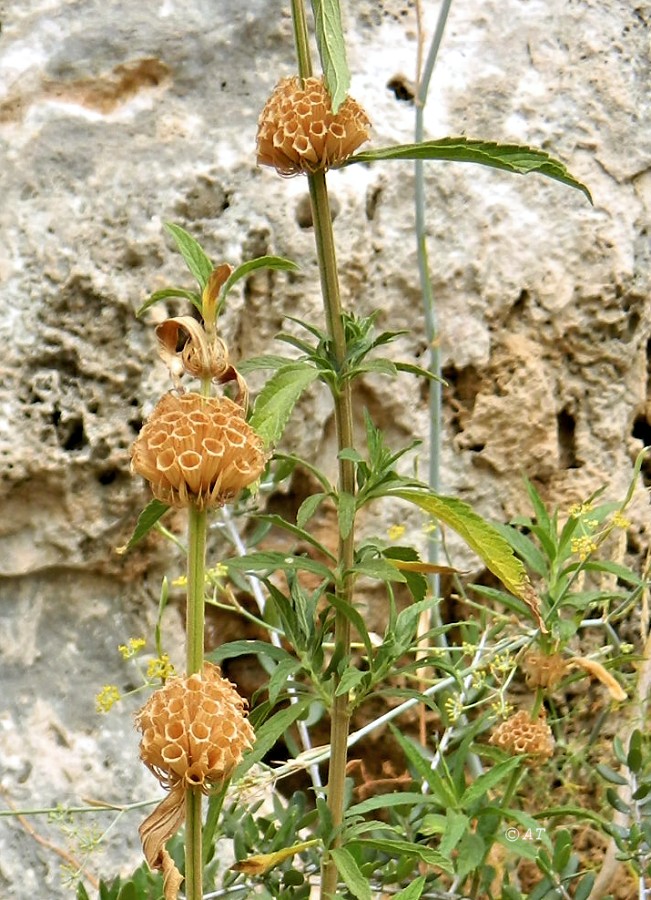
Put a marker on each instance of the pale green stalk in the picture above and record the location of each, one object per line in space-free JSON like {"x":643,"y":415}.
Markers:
{"x":325,"y":246}
{"x":195,"y":617}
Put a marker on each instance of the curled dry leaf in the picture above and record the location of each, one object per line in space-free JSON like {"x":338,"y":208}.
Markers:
{"x":594,"y":668}
{"x":156,"y":830}
{"x":531,"y":598}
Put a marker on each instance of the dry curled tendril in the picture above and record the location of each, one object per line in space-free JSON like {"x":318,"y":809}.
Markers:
{"x":194,"y":734}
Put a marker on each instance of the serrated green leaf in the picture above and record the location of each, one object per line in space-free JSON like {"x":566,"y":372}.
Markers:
{"x":166,"y":294}
{"x":480,"y":536}
{"x":350,"y":872}
{"x":277,"y":399}
{"x":510,"y":157}
{"x":146,"y":521}
{"x":261,"y":262}
{"x":192,"y":252}
{"x":332,"y":49}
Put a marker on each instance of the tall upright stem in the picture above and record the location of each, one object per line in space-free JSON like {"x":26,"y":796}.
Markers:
{"x":195,"y":618}
{"x":340,"y":714}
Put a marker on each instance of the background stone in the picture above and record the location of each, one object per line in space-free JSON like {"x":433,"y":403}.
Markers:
{"x":115,"y":118}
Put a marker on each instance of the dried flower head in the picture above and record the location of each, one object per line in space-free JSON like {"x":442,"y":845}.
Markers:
{"x":197,"y":450}
{"x":521,"y":734}
{"x":194,"y":730}
{"x":545,"y":671}
{"x":298,"y":132}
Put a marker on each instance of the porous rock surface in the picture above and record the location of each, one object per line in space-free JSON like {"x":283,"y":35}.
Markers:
{"x":115,"y":118}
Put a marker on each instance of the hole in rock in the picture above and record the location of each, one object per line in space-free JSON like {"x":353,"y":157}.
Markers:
{"x":566,"y":427}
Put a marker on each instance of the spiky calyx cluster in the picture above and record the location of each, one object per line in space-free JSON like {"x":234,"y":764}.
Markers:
{"x":194,"y":731}
{"x":197,"y":450}
{"x":520,"y":734}
{"x":299,"y":133}
{"x":543,"y":670}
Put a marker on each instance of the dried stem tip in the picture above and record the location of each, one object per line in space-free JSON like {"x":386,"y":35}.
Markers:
{"x":194,"y":731}
{"x":197,"y":450}
{"x":299,"y":133}
{"x":521,"y":734}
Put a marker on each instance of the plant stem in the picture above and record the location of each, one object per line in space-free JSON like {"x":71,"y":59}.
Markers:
{"x":195,"y":615}
{"x":343,"y":408}
{"x":340,"y":715}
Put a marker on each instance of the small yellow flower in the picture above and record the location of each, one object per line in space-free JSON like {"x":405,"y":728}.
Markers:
{"x":107,"y":697}
{"x":395,"y":532}
{"x":620,"y":520}
{"x":453,"y":708}
{"x":583,"y":546}
{"x":131,"y":648}
{"x":579,"y":509}
{"x":180,"y":582}
{"x":160,"y":668}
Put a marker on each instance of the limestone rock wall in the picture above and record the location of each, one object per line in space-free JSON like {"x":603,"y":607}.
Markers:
{"x":115,"y":118}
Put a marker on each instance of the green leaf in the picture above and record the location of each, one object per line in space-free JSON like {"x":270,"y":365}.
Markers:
{"x":308,"y":507}
{"x":610,"y":775}
{"x":350,"y":872}
{"x":146,"y":521}
{"x":413,"y":892}
{"x":509,"y":157}
{"x":296,"y":531}
{"x":192,"y":252}
{"x":562,"y":851}
{"x":332,"y":49}
{"x":165,"y":294}
{"x":407,"y":848}
{"x":456,"y":826}
{"x":271,"y":561}
{"x":346,"y":509}
{"x":634,"y":757}
{"x":278,"y":680}
{"x":270,"y":732}
{"x":584,"y":887}
{"x":384,"y":801}
{"x":480,"y":536}
{"x":277,"y":399}
{"x":247,"y":648}
{"x":261,"y":262}
{"x":469,"y":853}
{"x":488,"y":780}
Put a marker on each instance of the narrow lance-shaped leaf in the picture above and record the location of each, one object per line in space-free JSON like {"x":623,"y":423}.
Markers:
{"x":509,"y":157}
{"x":167,"y":293}
{"x":146,"y":521}
{"x":483,"y":538}
{"x":261,"y":262}
{"x":277,"y":399}
{"x":332,"y":49}
{"x":196,"y":260}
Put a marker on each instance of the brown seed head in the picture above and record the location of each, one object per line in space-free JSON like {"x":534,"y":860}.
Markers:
{"x":197,"y":450}
{"x":298,"y":132}
{"x":520,"y":734}
{"x":544,"y":671}
{"x":194,"y":730}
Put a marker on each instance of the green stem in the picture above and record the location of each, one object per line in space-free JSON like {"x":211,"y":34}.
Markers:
{"x":195,"y":616}
{"x":301,"y":39}
{"x":343,"y":408}
{"x":340,"y":715}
